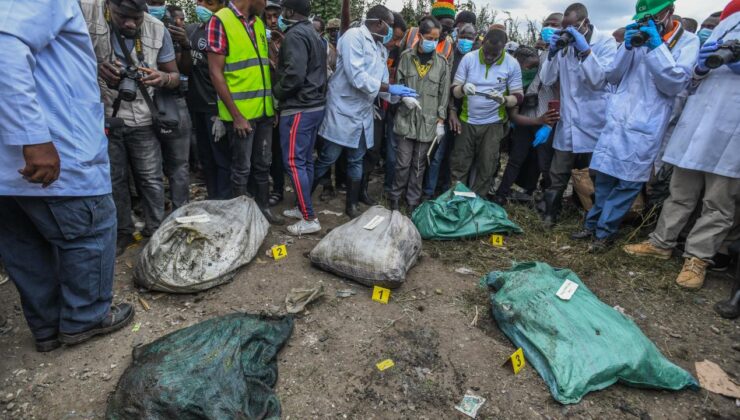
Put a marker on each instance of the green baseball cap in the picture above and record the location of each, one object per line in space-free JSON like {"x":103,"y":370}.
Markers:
{"x":650,"y":7}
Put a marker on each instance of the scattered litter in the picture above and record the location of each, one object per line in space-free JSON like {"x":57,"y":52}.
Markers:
{"x":465,"y":271}
{"x":188,"y":258}
{"x":714,"y":329}
{"x":566,"y":290}
{"x":385,"y":364}
{"x":224,"y":367}
{"x":344,"y":293}
{"x":297,"y":299}
{"x":470,"y":404}
{"x":475,"y":318}
{"x":144,"y":303}
{"x":329,"y":212}
{"x":198,"y":218}
{"x":674,"y":335}
{"x":565,"y":248}
{"x":714,"y":379}
{"x":136,"y":327}
{"x":438,"y":291}
{"x":381,"y":256}
{"x":620,"y":310}
{"x":526,"y":309}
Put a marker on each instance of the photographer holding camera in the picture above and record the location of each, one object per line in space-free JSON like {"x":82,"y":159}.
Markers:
{"x":652,"y":67}
{"x":578,"y":58}
{"x":704,"y":151}
{"x":127,"y":84}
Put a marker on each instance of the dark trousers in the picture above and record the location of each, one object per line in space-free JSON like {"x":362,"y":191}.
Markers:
{"x":411,"y":162}
{"x":277,"y":168}
{"x":373,"y":154}
{"x":297,"y":135}
{"x":137,"y":147}
{"x":562,"y":165}
{"x":214,"y":156}
{"x":175,"y":158}
{"x":521,"y":149}
{"x":60,"y":254}
{"x":390,"y":149}
{"x":250,"y":154}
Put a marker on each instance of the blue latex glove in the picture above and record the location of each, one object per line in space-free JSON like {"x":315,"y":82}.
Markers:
{"x":706,"y":50}
{"x":632,"y":29}
{"x":735,"y":67}
{"x":553,"y":47}
{"x":542,"y":135}
{"x":651,"y":30}
{"x":401,"y":90}
{"x":580,"y":41}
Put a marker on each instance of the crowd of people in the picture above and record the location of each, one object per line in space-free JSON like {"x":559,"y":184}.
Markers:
{"x":256,"y":91}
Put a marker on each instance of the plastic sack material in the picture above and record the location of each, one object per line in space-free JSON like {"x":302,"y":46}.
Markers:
{"x":578,"y":345}
{"x":380,"y":256}
{"x":456,"y":216}
{"x":190,"y":256}
{"x":222,"y":368}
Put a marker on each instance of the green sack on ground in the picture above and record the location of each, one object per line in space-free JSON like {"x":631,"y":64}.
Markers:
{"x":222,"y":368}
{"x":578,"y":345}
{"x":459,"y":213}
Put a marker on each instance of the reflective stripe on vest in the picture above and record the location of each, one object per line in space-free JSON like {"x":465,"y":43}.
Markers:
{"x":246,"y":69}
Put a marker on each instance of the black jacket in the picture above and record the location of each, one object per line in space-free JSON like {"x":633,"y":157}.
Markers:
{"x":301,"y":72}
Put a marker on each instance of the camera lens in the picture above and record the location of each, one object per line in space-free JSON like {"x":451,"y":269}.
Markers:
{"x":639,"y":39}
{"x":564,"y":40}
{"x":719,"y":58}
{"x":127,"y":89}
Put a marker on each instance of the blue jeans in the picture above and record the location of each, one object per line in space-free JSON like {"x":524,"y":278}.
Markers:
{"x":60,"y":254}
{"x":614,"y":197}
{"x":297,"y":137}
{"x":439,"y":167}
{"x":330,"y":153}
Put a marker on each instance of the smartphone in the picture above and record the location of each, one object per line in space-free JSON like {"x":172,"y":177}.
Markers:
{"x":553,"y":105}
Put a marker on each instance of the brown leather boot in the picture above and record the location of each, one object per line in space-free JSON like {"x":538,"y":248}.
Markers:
{"x":692,"y":274}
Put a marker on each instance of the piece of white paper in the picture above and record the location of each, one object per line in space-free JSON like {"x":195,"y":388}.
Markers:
{"x":198,"y":218}
{"x":468,"y":194}
{"x":470,"y":404}
{"x":567,"y":289}
{"x":372,"y":224}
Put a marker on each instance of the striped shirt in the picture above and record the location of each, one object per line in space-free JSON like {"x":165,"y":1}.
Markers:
{"x":217,"y":41}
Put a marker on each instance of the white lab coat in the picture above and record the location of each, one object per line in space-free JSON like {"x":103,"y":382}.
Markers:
{"x":584,"y":92}
{"x":707,"y":137}
{"x":361,"y":68}
{"x":638,"y":113}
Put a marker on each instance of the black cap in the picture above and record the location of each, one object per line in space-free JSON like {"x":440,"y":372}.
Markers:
{"x":134,"y":5}
{"x":302,"y":7}
{"x":466,"y":16}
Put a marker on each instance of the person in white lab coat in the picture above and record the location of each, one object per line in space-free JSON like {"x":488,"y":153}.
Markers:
{"x":581,"y":70}
{"x":705,"y":152}
{"x":361,"y":74}
{"x":647,"y":78}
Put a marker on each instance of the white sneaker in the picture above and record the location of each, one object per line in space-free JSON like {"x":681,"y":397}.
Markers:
{"x":294,"y":213}
{"x":304,"y":227}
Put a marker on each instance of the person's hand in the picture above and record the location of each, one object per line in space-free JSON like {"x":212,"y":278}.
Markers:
{"x":580,"y":41}
{"x":734,"y":67}
{"x":440,"y":129}
{"x":411,"y":103}
{"x":469,"y":89}
{"x":651,"y":30}
{"x":276,"y":121}
{"x":218,"y":130}
{"x":630,"y":31}
{"x":706,"y":50}
{"x":542,"y":135}
{"x":242,"y":128}
{"x":109,"y":73}
{"x":551,"y":117}
{"x":496,"y":96}
{"x":401,"y":90}
{"x":42,"y":164}
{"x":153,"y":77}
{"x":179,"y":36}
{"x":554,"y":42}
{"x":455,"y":125}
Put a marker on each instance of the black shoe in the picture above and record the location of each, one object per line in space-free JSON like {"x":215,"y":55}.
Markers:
{"x":729,"y":308}
{"x":410,"y":208}
{"x":118,"y":317}
{"x":353,"y":194}
{"x":720,"y":262}
{"x":364,"y":196}
{"x":328,"y":193}
{"x":275,"y":199}
{"x":263,"y":191}
{"x":395,"y":205}
{"x":599,"y":246}
{"x":122,"y":243}
{"x":47,"y":344}
{"x":582,"y":234}
{"x":553,"y":201}
{"x":499,"y":199}
{"x":425,"y":197}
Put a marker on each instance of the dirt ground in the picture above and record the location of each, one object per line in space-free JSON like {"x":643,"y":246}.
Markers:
{"x":327,"y":369}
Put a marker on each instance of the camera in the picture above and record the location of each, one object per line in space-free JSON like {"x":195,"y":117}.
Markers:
{"x":641,"y":38}
{"x":565,"y":39}
{"x":130,"y":77}
{"x":727,"y":53}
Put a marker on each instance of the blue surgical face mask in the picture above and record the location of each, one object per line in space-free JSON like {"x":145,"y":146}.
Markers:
{"x":465,"y":45}
{"x":157,"y":11}
{"x":428,"y":46}
{"x":704,"y":34}
{"x":282,"y":24}
{"x":547,"y":33}
{"x":204,"y":15}
{"x":268,"y":34}
{"x":388,"y":36}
